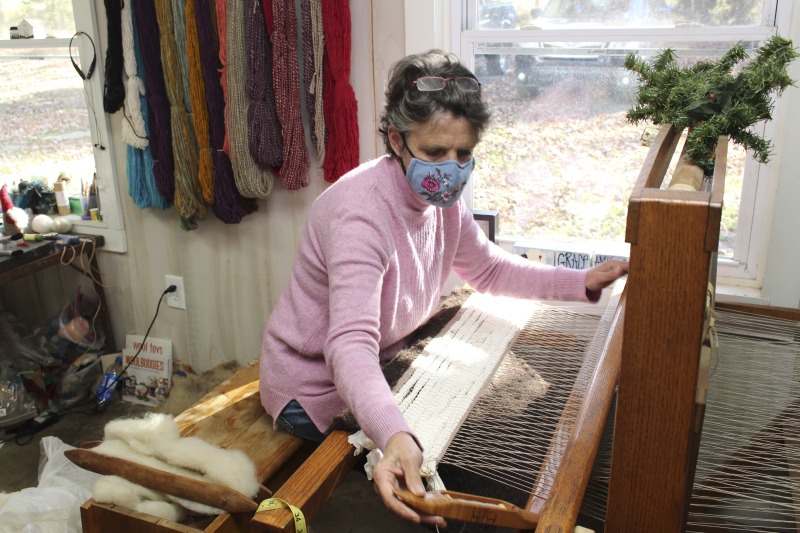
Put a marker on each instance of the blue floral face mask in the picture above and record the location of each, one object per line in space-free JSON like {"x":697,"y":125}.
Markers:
{"x":440,"y":184}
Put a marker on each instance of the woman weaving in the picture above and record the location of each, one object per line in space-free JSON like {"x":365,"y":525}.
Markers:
{"x":372,"y":261}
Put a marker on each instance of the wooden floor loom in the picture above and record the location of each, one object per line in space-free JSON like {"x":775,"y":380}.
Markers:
{"x":658,"y":360}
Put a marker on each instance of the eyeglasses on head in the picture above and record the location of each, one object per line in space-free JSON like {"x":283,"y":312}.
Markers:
{"x":438,"y":83}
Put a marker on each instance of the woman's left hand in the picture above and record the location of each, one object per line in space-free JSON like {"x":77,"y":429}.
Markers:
{"x":399,"y":468}
{"x":605,"y":274}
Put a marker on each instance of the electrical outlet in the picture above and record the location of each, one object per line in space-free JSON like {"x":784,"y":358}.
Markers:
{"x":176,"y":299}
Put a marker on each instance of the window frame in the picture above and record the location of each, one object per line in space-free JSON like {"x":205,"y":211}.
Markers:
{"x":112,"y":226}
{"x":747,"y":268}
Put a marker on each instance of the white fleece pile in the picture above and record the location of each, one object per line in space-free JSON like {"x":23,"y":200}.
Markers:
{"x":155,"y":441}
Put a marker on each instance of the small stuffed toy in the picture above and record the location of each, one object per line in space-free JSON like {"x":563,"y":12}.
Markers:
{"x":15,"y":220}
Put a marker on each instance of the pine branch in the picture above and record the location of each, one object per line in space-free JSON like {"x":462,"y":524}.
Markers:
{"x":709,"y":100}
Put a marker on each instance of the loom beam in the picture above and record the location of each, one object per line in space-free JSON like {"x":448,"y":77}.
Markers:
{"x":560,"y":505}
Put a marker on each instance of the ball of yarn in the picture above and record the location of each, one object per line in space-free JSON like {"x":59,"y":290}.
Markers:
{"x":62,"y":225}
{"x":42,"y":224}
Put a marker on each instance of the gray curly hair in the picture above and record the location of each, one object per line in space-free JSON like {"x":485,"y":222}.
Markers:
{"x":406,"y":106}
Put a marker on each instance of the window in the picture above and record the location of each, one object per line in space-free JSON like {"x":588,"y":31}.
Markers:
{"x":52,"y":119}
{"x":559,"y":159}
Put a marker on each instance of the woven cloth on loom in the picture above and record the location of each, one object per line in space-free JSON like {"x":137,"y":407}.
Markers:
{"x":440,"y":387}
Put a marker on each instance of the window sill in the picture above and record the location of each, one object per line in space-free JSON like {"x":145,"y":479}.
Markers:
{"x":114,"y":237}
{"x":739,"y":294}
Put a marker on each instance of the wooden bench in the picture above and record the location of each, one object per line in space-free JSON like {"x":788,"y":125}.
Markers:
{"x":231,"y":416}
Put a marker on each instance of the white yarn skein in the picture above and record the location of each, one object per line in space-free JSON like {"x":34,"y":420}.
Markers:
{"x":42,"y":224}
{"x":62,"y":225}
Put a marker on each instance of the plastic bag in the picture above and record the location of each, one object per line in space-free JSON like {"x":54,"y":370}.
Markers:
{"x":71,"y":333}
{"x":16,"y":405}
{"x":78,"y":380}
{"x":53,"y":506}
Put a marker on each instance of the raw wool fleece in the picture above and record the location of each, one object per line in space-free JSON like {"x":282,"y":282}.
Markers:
{"x":155,"y":441}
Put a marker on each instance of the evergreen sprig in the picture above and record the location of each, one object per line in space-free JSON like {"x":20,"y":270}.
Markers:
{"x":710,"y":100}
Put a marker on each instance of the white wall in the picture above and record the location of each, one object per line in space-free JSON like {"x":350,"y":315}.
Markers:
{"x":782,"y":278}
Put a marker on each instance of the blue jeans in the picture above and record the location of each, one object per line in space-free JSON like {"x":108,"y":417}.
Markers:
{"x":296,"y":421}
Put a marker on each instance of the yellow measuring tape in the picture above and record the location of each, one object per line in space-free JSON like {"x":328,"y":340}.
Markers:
{"x":276,"y":503}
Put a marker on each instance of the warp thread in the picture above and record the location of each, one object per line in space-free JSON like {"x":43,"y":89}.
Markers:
{"x":227,"y":205}
{"x":252,"y":180}
{"x":113,"y":88}
{"x":141,"y":178}
{"x":222,"y":41}
{"x":286,"y":81}
{"x":341,"y":108}
{"x":133,"y":128}
{"x":184,"y":145}
{"x":148,"y":38}
{"x":264,"y":131}
{"x":197,"y":97}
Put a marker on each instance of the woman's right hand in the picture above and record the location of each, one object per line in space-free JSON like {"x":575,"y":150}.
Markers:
{"x":399,"y":468}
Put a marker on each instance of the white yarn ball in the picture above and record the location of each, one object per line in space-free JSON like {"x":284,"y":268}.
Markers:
{"x":42,"y":224}
{"x":62,"y":225}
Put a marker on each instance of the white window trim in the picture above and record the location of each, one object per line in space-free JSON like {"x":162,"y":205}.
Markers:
{"x":112,"y":228}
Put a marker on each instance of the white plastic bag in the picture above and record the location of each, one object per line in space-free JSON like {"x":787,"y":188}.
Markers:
{"x":53,"y":506}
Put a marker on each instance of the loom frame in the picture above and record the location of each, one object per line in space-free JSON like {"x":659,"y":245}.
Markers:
{"x":673,"y":236}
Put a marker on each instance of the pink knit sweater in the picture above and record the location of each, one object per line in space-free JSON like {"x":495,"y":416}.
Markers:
{"x":369,"y":270}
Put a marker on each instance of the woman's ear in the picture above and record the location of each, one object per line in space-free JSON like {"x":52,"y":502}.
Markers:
{"x":396,"y":141}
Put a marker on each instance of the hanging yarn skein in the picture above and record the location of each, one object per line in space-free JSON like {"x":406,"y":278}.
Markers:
{"x":160,"y":129}
{"x":133,"y":129}
{"x":263,"y":127}
{"x":197,"y":94}
{"x":319,"y":80}
{"x":188,"y":200}
{"x":313,"y":56}
{"x":222,"y":40}
{"x":252,"y":180}
{"x":113,"y":88}
{"x":181,"y":42}
{"x":341,"y":114}
{"x":286,"y":81}
{"x":139,"y":161}
{"x":228,"y":205}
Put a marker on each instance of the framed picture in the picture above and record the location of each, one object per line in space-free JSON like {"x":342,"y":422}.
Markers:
{"x":488,"y":222}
